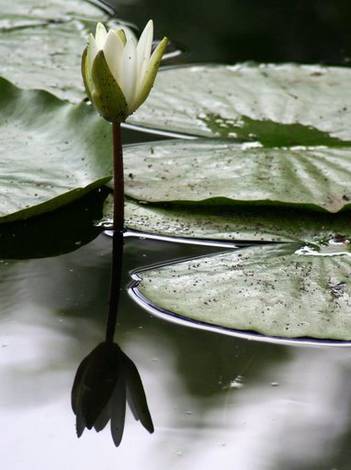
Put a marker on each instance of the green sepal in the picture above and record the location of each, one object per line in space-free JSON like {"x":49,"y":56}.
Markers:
{"x":151,"y":73}
{"x":107,"y":96}
{"x":84,"y":65}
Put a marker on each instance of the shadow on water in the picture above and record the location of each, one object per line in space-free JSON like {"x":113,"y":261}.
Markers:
{"x":105,"y":381}
{"x":53,"y":234}
{"x":107,"y":378}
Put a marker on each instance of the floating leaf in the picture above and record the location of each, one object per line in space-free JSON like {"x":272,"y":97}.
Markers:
{"x":216,"y":172}
{"x":281,"y":291}
{"x":233,"y":224}
{"x":22,"y":12}
{"x":55,"y":152}
{"x":284,"y":104}
{"x":41,"y":45}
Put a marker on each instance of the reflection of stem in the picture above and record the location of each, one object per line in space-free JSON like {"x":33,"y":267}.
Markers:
{"x":118,"y":228}
{"x":115,"y":286}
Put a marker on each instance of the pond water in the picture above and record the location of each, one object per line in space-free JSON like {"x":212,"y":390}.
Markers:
{"x":216,"y":401}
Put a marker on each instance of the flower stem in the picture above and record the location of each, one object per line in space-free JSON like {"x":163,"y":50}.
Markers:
{"x":118,"y":230}
{"x":118,"y":178}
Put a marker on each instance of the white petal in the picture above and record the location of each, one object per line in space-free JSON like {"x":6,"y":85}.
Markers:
{"x":113,"y":50}
{"x":128,"y":71}
{"x":100,"y":35}
{"x":144,"y":50}
{"x":150,"y":75}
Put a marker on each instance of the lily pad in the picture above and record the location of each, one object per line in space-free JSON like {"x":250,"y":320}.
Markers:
{"x":41,"y":44}
{"x":220,"y":173}
{"x":239,"y":224}
{"x":14,"y":13}
{"x":55,"y":152}
{"x":280,"y":291}
{"x":284,"y":104}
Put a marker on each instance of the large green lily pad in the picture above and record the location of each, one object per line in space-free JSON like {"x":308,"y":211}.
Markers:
{"x":54,"y":152}
{"x":22,"y":12}
{"x":239,"y":224}
{"x":226,"y":173}
{"x":281,"y":291}
{"x":284,"y":104}
{"x":41,"y":43}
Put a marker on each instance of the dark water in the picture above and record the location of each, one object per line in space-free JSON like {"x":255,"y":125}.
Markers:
{"x":231,"y":31}
{"x":216,"y":402}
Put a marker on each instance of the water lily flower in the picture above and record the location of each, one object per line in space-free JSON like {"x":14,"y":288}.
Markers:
{"x":105,"y":381}
{"x":118,"y":71}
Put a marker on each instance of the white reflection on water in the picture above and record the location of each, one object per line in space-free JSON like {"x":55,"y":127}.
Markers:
{"x":295,"y":425}
{"x":299,"y":424}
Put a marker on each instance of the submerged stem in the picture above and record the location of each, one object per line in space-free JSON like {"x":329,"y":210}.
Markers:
{"x":118,"y":229}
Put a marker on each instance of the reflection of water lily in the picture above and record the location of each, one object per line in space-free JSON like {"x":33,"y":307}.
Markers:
{"x":105,"y":380}
{"x":118,"y":71}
